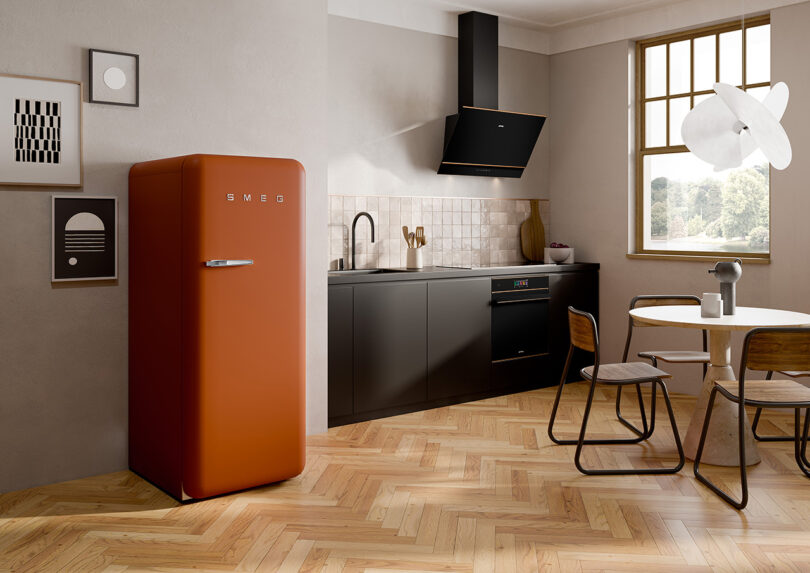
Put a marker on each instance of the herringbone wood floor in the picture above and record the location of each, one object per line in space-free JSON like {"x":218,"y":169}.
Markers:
{"x":474,"y":487}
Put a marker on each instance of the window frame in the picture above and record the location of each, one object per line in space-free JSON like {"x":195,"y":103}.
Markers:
{"x":641,"y":151}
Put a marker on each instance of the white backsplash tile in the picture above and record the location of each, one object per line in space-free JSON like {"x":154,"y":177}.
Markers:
{"x":460,"y":232}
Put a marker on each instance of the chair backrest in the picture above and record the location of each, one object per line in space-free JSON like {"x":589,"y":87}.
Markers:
{"x":643,"y":300}
{"x":583,"y":331}
{"x":661,"y":300}
{"x":776,"y":349}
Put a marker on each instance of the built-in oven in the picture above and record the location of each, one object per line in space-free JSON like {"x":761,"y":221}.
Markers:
{"x":520,"y":317}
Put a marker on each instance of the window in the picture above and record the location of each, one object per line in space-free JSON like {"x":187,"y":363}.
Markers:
{"x":684,"y":207}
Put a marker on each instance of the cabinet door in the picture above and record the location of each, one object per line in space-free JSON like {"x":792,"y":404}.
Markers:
{"x":459,"y":340}
{"x":341,"y":351}
{"x":390,"y":345}
{"x":580,"y":290}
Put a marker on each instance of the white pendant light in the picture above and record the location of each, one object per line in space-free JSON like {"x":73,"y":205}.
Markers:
{"x":726,"y":128}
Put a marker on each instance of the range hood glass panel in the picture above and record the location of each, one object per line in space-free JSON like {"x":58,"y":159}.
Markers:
{"x":490,"y":137}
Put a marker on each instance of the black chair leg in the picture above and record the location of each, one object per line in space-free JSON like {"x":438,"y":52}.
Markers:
{"x":743,"y":474}
{"x":800,"y":440}
{"x":673,"y":424}
{"x":654,"y":363}
{"x":646,"y":431}
{"x":556,"y":406}
{"x":582,"y":441}
{"x":758,"y":415}
{"x":804,"y":439}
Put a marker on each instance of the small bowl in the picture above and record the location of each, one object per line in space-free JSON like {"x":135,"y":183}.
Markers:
{"x":559,"y":254}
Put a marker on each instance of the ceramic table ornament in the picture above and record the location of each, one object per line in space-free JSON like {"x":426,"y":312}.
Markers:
{"x":728,"y":273}
{"x":711,"y":305}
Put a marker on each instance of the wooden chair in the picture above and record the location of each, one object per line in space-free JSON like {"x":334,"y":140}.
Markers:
{"x":765,"y":349}
{"x":671,"y":356}
{"x":584,"y":336}
{"x":758,"y":414}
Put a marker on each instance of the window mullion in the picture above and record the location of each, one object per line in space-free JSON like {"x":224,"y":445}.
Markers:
{"x":668,"y":92}
{"x":744,"y":50}
{"x":691,"y":73}
{"x":717,"y":57}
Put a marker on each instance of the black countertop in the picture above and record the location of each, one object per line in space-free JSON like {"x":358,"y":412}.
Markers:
{"x":427,"y":273}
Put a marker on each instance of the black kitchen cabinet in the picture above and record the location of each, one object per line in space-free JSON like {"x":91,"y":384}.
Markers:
{"x":341,"y":350}
{"x":458,"y":334}
{"x":580,"y":290}
{"x":402,"y":342}
{"x":390,"y":345}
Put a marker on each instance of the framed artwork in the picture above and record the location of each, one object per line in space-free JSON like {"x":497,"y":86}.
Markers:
{"x":113,"y":78}
{"x":40,"y":131}
{"x":84,"y":238}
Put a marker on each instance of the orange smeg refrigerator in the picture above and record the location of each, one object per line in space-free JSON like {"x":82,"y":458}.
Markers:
{"x":216,"y":323}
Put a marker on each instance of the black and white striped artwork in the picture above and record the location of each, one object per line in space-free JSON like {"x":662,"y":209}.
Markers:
{"x":37,"y":131}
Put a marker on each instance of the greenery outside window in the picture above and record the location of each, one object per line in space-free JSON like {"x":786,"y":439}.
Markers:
{"x":683,"y":206}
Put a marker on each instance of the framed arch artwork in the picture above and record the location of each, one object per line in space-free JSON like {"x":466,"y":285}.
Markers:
{"x":84,"y":238}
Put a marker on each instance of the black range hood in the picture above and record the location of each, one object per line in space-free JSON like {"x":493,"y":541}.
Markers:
{"x":480,"y":139}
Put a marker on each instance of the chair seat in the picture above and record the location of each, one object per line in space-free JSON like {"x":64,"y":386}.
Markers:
{"x":624,"y":373}
{"x":677,"y":356}
{"x":796,"y":373}
{"x":783,"y":393}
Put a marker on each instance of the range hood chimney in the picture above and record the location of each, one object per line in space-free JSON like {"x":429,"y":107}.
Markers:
{"x":480,"y":139}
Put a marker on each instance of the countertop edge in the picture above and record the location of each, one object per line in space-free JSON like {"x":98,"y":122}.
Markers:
{"x":428,"y":274}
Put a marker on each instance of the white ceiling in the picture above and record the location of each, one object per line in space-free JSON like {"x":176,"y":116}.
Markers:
{"x":555,"y":26}
{"x":549,"y":14}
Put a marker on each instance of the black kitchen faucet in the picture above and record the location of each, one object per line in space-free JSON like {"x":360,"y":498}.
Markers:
{"x":354,"y":224}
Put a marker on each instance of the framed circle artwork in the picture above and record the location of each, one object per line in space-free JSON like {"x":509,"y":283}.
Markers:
{"x":114,"y":78}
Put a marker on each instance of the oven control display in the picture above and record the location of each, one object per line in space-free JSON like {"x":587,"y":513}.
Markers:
{"x":521,"y":283}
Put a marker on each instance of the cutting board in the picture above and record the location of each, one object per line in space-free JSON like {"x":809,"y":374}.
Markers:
{"x":533,"y":235}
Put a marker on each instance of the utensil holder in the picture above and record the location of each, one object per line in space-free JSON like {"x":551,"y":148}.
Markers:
{"x":414,"y":260}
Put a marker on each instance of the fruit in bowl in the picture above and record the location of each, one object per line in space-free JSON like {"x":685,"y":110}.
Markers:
{"x":559,"y":252}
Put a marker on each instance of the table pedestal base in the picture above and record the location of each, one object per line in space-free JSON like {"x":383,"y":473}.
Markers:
{"x":722,"y":444}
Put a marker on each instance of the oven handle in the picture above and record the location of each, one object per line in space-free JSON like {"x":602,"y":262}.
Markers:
{"x":544,"y":298}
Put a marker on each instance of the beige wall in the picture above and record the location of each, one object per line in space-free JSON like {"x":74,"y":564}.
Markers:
{"x":591,"y":189}
{"x":389,"y":92}
{"x":244,"y":77}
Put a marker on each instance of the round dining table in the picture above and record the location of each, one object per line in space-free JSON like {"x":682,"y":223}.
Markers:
{"x":721,"y":441}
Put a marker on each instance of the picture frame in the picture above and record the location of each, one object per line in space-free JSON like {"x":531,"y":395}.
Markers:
{"x":84,"y":238}
{"x":40,"y":131}
{"x":114,"y":78}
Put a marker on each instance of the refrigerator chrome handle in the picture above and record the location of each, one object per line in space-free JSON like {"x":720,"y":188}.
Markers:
{"x":228,"y":262}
